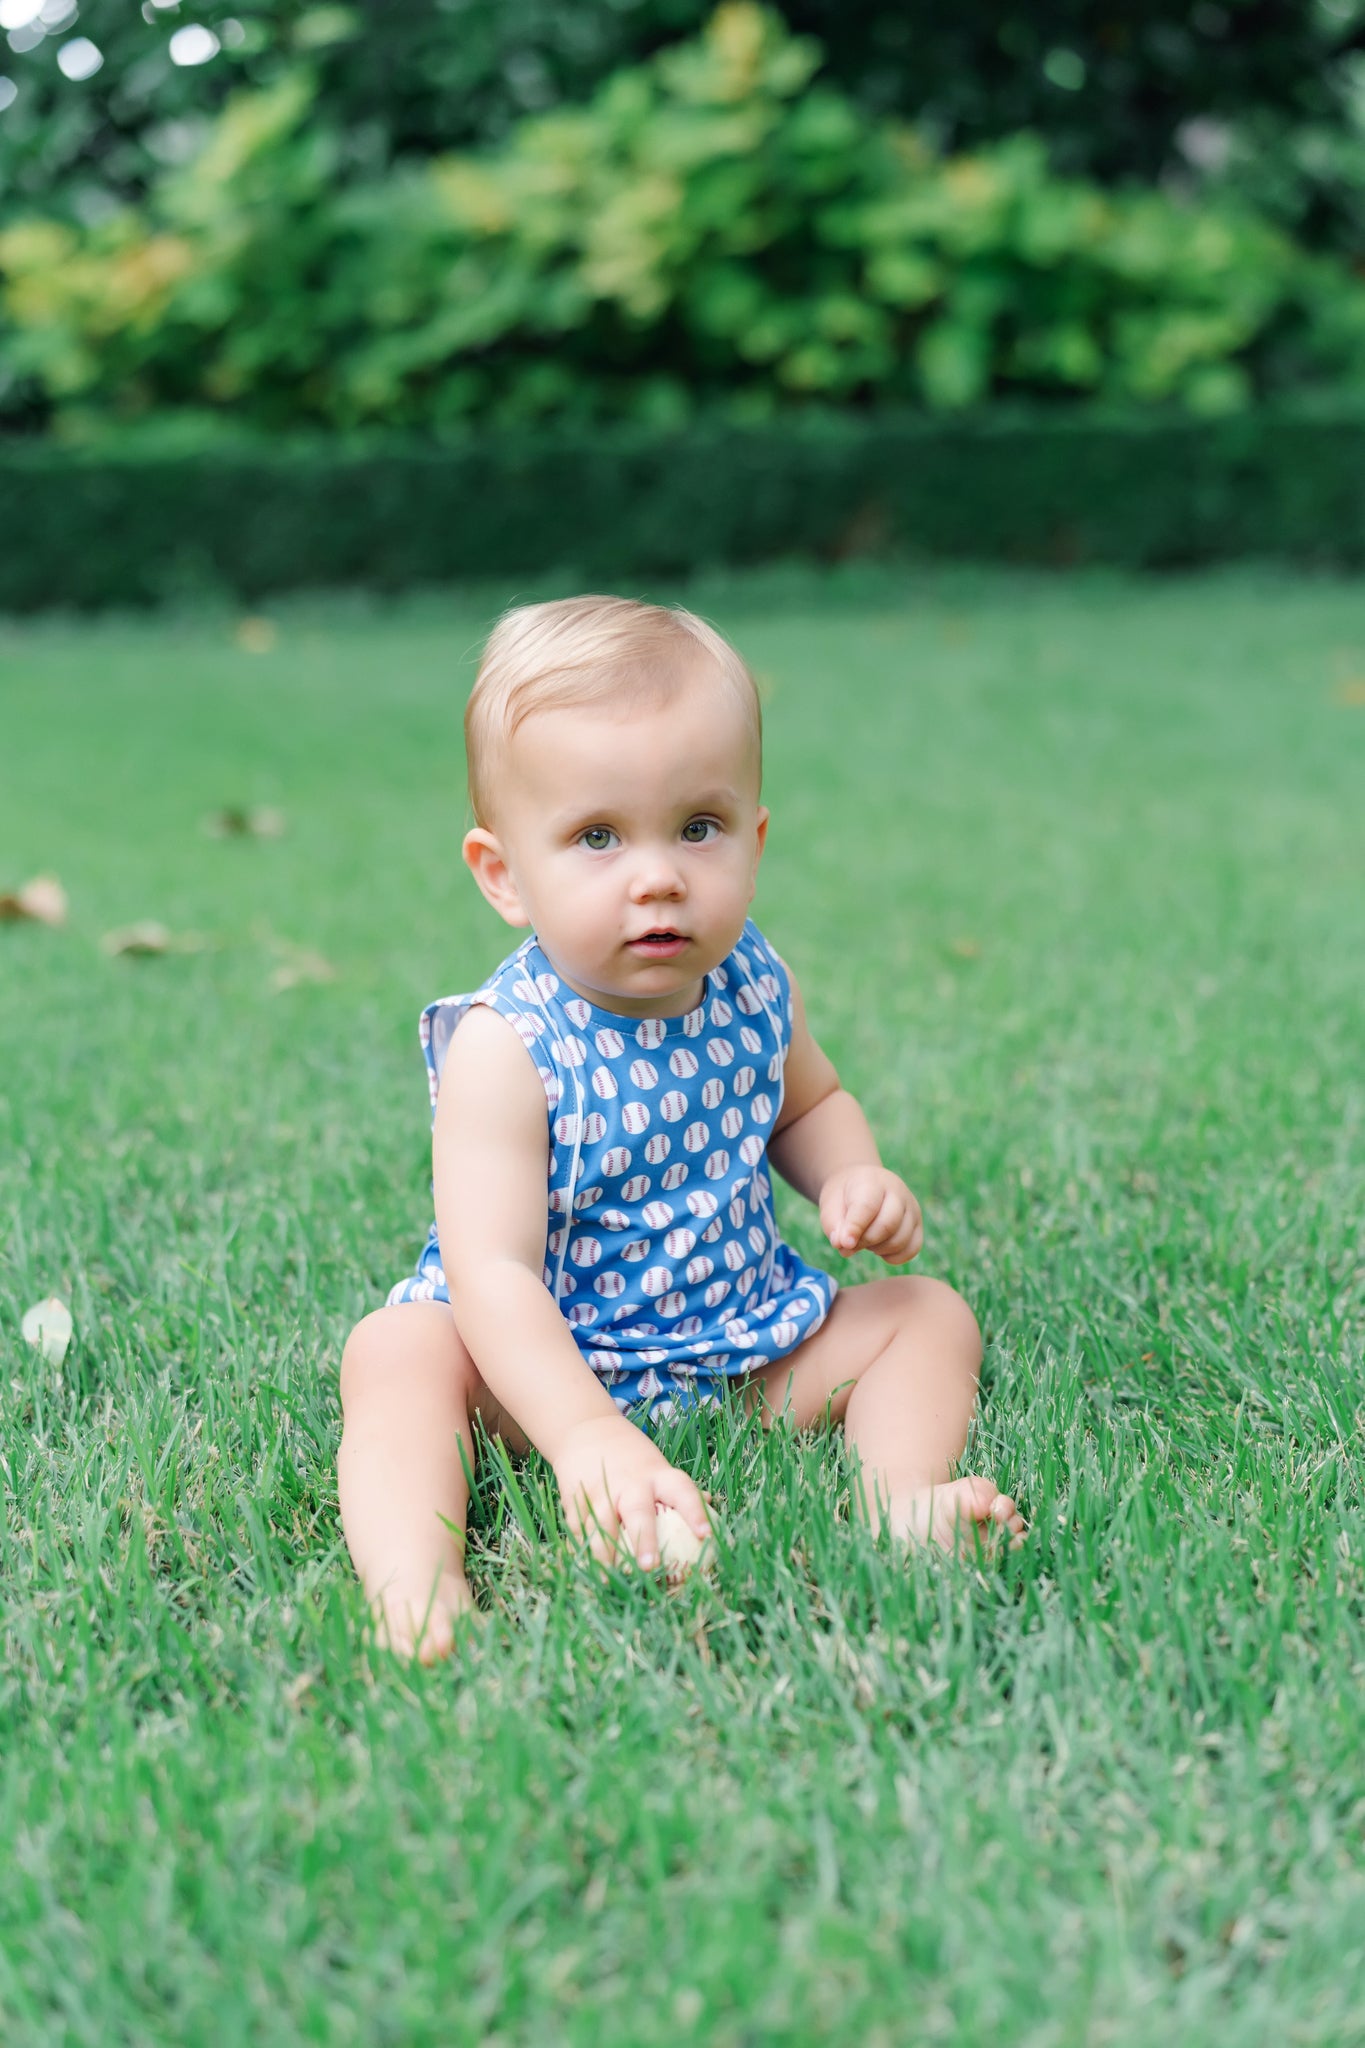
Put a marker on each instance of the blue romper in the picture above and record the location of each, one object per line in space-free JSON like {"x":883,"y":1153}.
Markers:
{"x":660,"y":1244}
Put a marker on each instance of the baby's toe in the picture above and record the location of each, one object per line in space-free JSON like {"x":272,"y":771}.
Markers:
{"x":1007,"y":1516}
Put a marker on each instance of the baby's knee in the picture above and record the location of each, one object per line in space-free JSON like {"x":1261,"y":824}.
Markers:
{"x":934,"y":1305}
{"x":365,"y":1357}
{"x":392,"y":1346}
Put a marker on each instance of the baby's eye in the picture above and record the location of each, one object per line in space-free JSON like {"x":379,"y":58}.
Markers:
{"x":597,"y":838}
{"x":698,"y":830}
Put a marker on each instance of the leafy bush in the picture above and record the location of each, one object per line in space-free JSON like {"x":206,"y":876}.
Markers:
{"x":714,"y":229}
{"x":1111,"y":88}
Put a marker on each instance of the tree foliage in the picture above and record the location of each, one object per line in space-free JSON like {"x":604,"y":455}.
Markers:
{"x":718,"y":227}
{"x":1114,"y":87}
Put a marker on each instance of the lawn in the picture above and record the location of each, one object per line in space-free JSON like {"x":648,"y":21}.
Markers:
{"x":1072,"y":871}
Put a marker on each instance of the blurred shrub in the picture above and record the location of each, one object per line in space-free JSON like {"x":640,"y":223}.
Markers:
{"x":91,"y":527}
{"x":713,"y":229}
{"x":1110,"y":87}
{"x":1308,"y":177}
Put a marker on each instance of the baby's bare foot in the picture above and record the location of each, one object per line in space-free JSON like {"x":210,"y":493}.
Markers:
{"x":420,"y":1622}
{"x":959,"y":1515}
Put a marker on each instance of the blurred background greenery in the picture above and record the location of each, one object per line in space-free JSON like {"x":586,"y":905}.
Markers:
{"x":229,"y":220}
{"x":450,"y":211}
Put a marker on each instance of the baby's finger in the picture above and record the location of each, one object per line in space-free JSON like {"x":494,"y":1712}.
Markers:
{"x":881,"y":1230}
{"x":595,"y":1522}
{"x":906,"y":1243}
{"x":673,"y":1489}
{"x":639,"y":1535}
{"x":852,"y":1215}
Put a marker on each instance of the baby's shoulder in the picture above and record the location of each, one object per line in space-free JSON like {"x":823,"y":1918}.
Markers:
{"x":488,"y":1047}
{"x":505,"y":1004}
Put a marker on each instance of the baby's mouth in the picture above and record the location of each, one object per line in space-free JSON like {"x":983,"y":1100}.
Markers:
{"x":663,"y":941}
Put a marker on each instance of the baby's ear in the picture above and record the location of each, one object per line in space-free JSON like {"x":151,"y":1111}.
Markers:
{"x":487,"y":863}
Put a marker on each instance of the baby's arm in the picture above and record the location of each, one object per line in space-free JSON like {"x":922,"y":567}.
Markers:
{"x":824,"y":1146}
{"x":490,"y":1156}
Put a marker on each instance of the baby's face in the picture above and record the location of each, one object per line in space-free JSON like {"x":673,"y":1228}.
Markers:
{"x":629,"y":844}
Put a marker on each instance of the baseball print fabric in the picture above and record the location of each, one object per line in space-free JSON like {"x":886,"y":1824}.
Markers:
{"x":661,"y":1247}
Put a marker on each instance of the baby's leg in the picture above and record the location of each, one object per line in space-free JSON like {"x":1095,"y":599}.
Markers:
{"x":897,"y":1362}
{"x":408,"y":1391}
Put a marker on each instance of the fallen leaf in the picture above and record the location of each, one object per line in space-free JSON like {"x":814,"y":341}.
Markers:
{"x":48,"y":1327}
{"x":147,"y":937}
{"x":300,"y":965}
{"x":43,"y":899}
{"x":965,"y":949}
{"x":1352,"y":691}
{"x":256,"y":635}
{"x":236,"y":823}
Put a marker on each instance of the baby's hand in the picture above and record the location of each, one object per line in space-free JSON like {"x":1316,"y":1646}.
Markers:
{"x":866,"y":1208}
{"x":610,"y":1479}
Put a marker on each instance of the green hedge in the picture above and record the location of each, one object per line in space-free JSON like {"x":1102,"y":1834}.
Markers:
{"x":88,"y":529}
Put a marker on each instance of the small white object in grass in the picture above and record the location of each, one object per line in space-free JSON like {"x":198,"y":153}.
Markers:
{"x":681,"y":1550}
{"x":48,"y":1326}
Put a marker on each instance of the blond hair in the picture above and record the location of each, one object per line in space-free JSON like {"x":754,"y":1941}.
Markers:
{"x":586,"y":650}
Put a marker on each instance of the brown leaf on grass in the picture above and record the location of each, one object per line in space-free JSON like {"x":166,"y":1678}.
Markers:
{"x":300,"y":964}
{"x":297,"y":1687}
{"x":148,"y":938}
{"x":42,"y":900}
{"x":256,"y":635}
{"x":1351,"y":691}
{"x":237,"y":823}
{"x":965,"y":949}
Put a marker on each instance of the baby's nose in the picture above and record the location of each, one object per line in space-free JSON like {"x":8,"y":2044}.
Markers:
{"x":656,"y":874}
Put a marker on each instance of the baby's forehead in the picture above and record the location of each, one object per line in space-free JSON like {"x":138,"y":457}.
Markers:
{"x":678,"y":696}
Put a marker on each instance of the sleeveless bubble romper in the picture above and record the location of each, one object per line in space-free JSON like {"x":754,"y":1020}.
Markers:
{"x":661,"y":1248}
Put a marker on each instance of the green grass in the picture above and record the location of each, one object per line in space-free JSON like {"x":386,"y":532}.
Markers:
{"x":1071,"y":871}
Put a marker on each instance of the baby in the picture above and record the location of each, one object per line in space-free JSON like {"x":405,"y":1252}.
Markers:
{"x":606,"y":1108}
